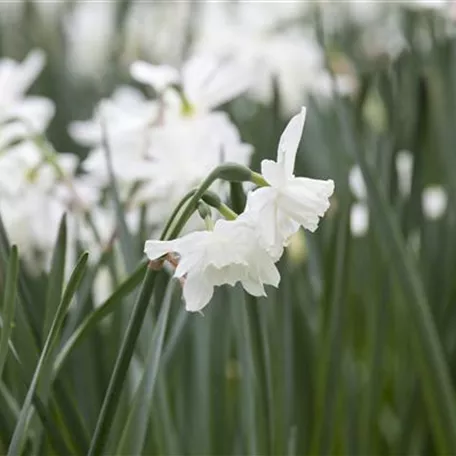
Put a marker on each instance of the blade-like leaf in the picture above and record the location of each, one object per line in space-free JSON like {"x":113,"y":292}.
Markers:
{"x":21,"y":429}
{"x":97,"y":315}
{"x":132,"y":440}
{"x":9,"y":305}
{"x":56,"y":276}
{"x":119,"y":374}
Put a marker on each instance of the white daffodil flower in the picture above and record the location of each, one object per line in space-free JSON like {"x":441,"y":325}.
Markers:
{"x":207,"y":81}
{"x":229,"y":254}
{"x":289,"y":201}
{"x":15,"y":79}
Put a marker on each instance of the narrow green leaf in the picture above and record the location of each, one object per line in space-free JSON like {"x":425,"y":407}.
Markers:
{"x":23,"y":290}
{"x":132,"y":439}
{"x":88,"y":325}
{"x":119,"y":374}
{"x":249,"y":391}
{"x":9,"y":305}
{"x":329,"y":362}
{"x":427,"y":349}
{"x":21,"y":429}
{"x":56,"y":276}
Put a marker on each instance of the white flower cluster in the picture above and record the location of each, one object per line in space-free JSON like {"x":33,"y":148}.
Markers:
{"x":159,"y":149}
{"x":246,"y":249}
{"x":33,"y":178}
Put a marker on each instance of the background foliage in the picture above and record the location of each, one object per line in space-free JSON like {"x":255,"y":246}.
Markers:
{"x":354,"y":353}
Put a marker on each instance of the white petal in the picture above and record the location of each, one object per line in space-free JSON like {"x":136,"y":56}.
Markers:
{"x":30,"y":68}
{"x":262,"y":203}
{"x":305,"y":200}
{"x":36,"y":112}
{"x":210,"y":82}
{"x":157,"y":76}
{"x":289,"y":142}
{"x":156,"y":249}
{"x":197,"y":292}
{"x":273,"y":173}
{"x":267,"y":270}
{"x":253,"y":287}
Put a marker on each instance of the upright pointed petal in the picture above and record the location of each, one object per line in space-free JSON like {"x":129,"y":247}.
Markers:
{"x":289,"y":142}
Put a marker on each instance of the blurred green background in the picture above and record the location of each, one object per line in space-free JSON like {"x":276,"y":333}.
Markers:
{"x":355,"y":352}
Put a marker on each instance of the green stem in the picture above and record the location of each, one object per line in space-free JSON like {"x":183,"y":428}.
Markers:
{"x":227,"y":212}
{"x":228,"y":171}
{"x":259,"y":180}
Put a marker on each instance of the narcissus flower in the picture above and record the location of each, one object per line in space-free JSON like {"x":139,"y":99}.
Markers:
{"x":288,"y":202}
{"x":206,"y":81}
{"x":229,"y":254}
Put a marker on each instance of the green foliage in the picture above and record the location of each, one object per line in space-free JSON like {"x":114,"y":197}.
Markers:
{"x":353,"y":354}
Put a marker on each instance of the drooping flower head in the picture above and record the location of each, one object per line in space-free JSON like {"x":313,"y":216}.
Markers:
{"x":229,"y":254}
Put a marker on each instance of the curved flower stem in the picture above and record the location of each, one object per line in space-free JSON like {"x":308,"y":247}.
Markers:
{"x":176,"y":211}
{"x":227,"y":212}
{"x":228,"y":171}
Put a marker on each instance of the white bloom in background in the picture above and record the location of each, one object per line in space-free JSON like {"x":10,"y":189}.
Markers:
{"x":359,"y":219}
{"x":289,"y":201}
{"x":356,"y":183}
{"x":158,"y":152}
{"x":90,"y":30}
{"x":404,"y":170}
{"x":206,"y":81}
{"x":359,"y":212}
{"x":434,"y":201}
{"x":158,"y":30}
{"x":126,"y":113}
{"x":184,"y":152}
{"x":255,"y":34}
{"x":229,"y":254}
{"x":26,"y":112}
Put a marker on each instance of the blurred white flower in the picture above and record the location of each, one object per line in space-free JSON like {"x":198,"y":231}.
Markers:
{"x":356,"y":183}
{"x":359,"y":212}
{"x":90,"y":30}
{"x":184,"y":152}
{"x":158,"y":30}
{"x":229,"y":254}
{"x":26,"y":112}
{"x":289,"y":201}
{"x":127,"y":113}
{"x":359,"y":219}
{"x":434,"y":202}
{"x":157,"y":156}
{"x":404,"y":170}
{"x":206,"y":81}
{"x":255,"y":34}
